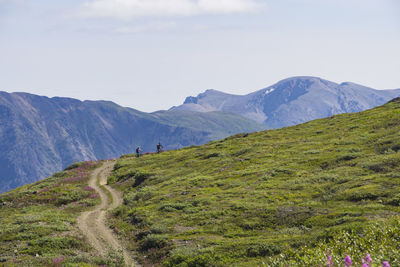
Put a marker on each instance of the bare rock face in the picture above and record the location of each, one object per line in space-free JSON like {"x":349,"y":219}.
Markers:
{"x":292,"y":101}
{"x":40,"y":135}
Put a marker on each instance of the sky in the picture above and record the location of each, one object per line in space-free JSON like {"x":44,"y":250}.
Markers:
{"x":151,"y":54}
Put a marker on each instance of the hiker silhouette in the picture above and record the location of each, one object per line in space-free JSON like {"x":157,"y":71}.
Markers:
{"x":159,"y":147}
{"x":138,"y":151}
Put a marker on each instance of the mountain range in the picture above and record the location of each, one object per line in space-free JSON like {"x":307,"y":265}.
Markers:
{"x":41,"y":135}
{"x":292,"y":101}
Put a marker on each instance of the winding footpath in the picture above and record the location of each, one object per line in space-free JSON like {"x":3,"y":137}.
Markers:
{"x":93,"y":223}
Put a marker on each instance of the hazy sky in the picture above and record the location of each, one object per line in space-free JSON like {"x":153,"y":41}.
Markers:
{"x":151,"y":54}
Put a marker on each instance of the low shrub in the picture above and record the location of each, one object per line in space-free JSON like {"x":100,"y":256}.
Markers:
{"x":140,"y":177}
{"x":394,"y":201}
{"x":349,"y":156}
{"x":73,"y":166}
{"x":262,"y":250}
{"x":155,"y":241}
{"x":192,"y":257}
{"x":52,"y":244}
{"x":69,"y":197}
{"x":212,"y":155}
{"x":361,"y":195}
{"x":174,"y":206}
{"x":241,"y":152}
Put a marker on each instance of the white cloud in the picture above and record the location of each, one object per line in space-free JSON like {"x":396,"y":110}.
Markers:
{"x":156,"y":26}
{"x":128,"y":9}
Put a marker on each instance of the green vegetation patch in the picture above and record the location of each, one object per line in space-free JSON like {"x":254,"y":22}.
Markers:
{"x":273,"y":198}
{"x":38,"y":221}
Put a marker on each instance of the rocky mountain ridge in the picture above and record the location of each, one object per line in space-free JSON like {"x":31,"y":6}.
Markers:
{"x":292,"y":101}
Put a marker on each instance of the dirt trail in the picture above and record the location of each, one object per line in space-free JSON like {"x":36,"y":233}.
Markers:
{"x":93,"y":223}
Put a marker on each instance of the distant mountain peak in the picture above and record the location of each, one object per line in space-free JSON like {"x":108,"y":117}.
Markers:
{"x":191,"y":100}
{"x":211,"y":92}
{"x":301,"y":78}
{"x":206,"y":93}
{"x":292,"y":101}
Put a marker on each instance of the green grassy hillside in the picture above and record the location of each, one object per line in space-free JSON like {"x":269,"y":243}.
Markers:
{"x":38,"y":221}
{"x":275,"y":198}
{"x":270,"y":198}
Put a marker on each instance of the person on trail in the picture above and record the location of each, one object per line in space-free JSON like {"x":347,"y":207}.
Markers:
{"x":159,"y":147}
{"x":138,"y":151}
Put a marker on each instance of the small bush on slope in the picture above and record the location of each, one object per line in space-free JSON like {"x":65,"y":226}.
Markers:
{"x":271,"y":193}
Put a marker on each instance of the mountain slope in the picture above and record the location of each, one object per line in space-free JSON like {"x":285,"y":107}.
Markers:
{"x":292,"y":101}
{"x":275,"y":198}
{"x":38,"y":221}
{"x":40,"y":135}
{"x":329,"y":184}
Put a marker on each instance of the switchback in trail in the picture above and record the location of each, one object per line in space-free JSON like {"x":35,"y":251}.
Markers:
{"x":93,"y":223}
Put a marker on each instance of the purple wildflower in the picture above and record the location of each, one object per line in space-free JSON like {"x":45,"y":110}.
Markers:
{"x":385,"y":264}
{"x":347,"y":261}
{"x":88,"y":188}
{"x":57,"y":261}
{"x":368,"y":258}
{"x":364,"y":263}
{"x":329,"y":261}
{"x":44,"y":190}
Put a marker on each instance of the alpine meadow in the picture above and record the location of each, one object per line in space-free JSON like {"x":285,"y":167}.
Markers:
{"x":296,"y":196}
